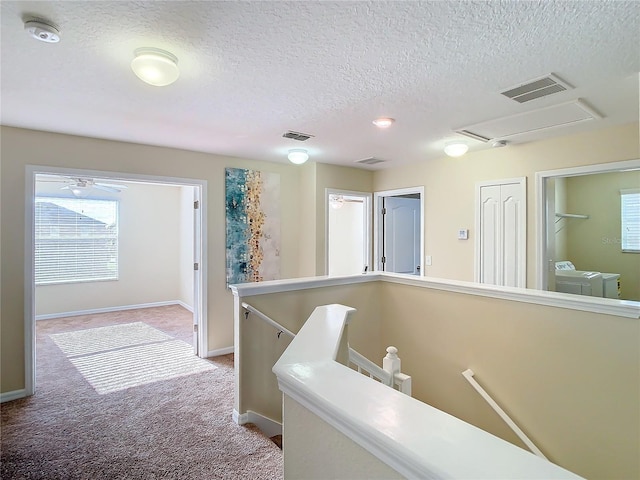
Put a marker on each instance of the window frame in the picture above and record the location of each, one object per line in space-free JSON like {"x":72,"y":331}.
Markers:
{"x":83,"y":237}
{"x":633,"y":216}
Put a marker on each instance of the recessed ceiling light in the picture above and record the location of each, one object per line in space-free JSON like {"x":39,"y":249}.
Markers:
{"x":383,"y":122}
{"x":155,"y":67}
{"x":298,"y":156}
{"x":456,"y":149}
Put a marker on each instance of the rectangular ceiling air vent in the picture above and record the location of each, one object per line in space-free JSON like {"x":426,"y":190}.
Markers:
{"x":537,"y":88}
{"x":297,"y":135}
{"x":370,"y":161}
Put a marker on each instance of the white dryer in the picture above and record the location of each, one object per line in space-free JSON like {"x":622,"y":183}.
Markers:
{"x":579,"y":282}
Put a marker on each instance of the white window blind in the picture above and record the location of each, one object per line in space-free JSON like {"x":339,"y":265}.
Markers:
{"x":630,"y":215}
{"x":76,"y":240}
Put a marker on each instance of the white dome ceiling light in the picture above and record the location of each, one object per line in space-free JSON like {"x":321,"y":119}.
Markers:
{"x":456,"y":149}
{"x":42,"y":30}
{"x":155,"y":67}
{"x":298,"y":156}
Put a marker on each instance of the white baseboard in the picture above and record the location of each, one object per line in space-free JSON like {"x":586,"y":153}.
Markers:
{"x":14,"y":395}
{"x":92,"y":311}
{"x":185,"y":306}
{"x":220,"y":351}
{"x":268,"y":426}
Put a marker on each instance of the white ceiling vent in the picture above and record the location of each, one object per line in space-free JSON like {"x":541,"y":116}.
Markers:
{"x":370,"y":161}
{"x":537,"y":88}
{"x":554,"y":116}
{"x":297,"y":135}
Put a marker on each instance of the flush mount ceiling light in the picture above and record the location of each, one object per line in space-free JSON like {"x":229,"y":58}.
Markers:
{"x":383,"y":122}
{"x":42,"y":30}
{"x":298,"y":156}
{"x":155,"y":67}
{"x":456,"y":149}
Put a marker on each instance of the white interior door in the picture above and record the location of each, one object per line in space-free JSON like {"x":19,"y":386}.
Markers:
{"x":501,"y":240}
{"x":401,"y":235}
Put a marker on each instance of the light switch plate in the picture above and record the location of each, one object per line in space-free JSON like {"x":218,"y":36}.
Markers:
{"x":463,"y":234}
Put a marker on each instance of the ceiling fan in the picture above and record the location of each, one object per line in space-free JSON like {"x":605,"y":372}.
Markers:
{"x":82,"y":186}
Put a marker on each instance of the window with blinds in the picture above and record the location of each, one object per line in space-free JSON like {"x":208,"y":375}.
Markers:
{"x":76,"y":240}
{"x":630,"y":215}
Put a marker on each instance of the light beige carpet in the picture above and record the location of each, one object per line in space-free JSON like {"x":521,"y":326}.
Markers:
{"x":118,"y":357}
{"x":174,"y":428}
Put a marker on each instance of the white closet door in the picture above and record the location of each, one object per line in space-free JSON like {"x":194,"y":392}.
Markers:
{"x":502,"y":233}
{"x":491,"y":226}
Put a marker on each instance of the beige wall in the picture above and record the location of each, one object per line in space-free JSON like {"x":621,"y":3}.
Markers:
{"x":316,"y":450}
{"x":23,"y":147}
{"x":148,"y":260}
{"x":450,"y":186}
{"x":260,"y":347}
{"x":569,"y":379}
{"x":594,"y":243}
{"x":299,"y":231}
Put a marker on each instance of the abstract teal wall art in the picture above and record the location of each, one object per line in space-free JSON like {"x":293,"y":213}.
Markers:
{"x":252,"y":213}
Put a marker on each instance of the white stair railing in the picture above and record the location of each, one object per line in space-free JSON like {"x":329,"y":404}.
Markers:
{"x":468,"y":374}
{"x":389,"y":374}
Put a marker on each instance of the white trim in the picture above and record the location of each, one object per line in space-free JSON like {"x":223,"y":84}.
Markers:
{"x":407,"y":440}
{"x":13,"y":395}
{"x":185,"y":306}
{"x":267,"y":425}
{"x":377,"y":207}
{"x":608,"y":306}
{"x":240,"y":419}
{"x":92,"y":311}
{"x":220,"y":351}
{"x":541,"y":196}
{"x":29,"y":284}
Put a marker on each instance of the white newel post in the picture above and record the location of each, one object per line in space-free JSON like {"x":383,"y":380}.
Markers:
{"x":391,"y":363}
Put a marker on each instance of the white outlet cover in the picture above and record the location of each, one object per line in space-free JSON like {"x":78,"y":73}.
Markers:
{"x":463,"y":234}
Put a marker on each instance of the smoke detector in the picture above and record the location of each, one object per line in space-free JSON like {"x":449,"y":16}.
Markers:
{"x":42,"y":30}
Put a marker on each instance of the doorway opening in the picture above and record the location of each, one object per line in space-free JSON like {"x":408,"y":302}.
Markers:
{"x":348,"y":232}
{"x":399,"y":230}
{"x":55,"y":189}
{"x":579,"y":227}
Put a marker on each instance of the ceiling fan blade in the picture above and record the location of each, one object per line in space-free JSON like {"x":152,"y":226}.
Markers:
{"x":106,"y":188}
{"x":112,"y":185}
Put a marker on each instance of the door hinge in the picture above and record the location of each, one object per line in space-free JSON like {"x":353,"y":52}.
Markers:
{"x":384,"y":260}
{"x":195,"y":327}
{"x":196,"y":205}
{"x":196,"y":266}
{"x":384,"y":211}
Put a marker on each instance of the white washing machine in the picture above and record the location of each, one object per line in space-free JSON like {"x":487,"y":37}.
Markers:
{"x":579,"y":282}
{"x":611,"y":285}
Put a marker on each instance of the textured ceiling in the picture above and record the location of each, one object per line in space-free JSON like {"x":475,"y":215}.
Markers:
{"x":252,"y":70}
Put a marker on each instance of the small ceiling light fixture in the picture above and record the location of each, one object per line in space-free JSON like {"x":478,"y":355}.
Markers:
{"x":298,"y":156}
{"x":155,"y":67}
{"x":383,"y":122}
{"x":42,"y":30}
{"x":456,"y":149}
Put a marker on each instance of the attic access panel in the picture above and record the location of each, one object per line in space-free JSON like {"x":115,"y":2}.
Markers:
{"x":546,"y":118}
